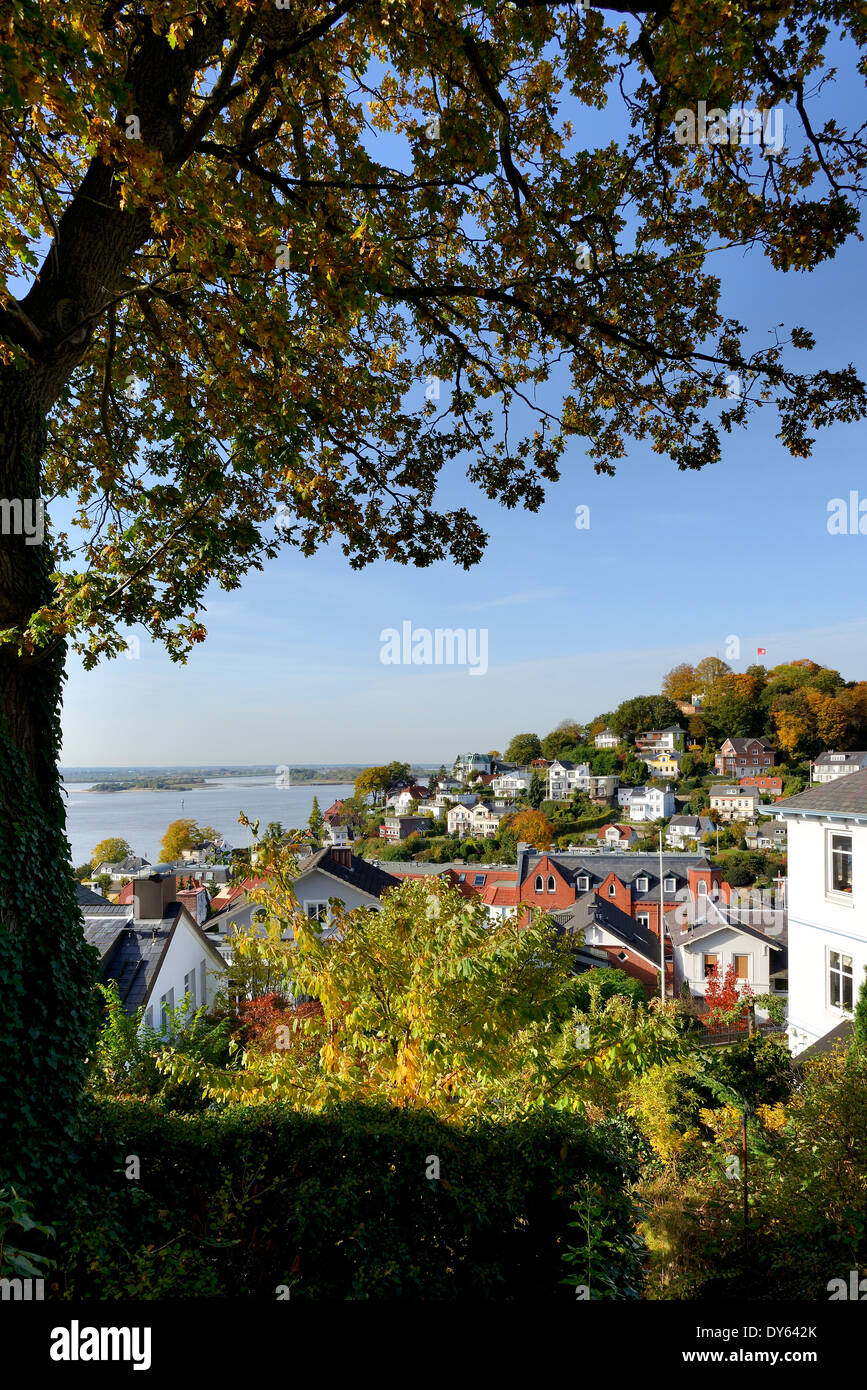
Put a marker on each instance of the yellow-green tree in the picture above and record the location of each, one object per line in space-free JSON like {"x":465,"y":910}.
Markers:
{"x":427,"y":1002}
{"x":110,"y":851}
{"x":183,"y":834}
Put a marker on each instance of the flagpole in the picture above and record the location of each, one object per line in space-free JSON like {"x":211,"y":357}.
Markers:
{"x":661,"y":927}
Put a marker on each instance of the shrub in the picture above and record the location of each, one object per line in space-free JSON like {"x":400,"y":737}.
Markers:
{"x":343,"y":1204}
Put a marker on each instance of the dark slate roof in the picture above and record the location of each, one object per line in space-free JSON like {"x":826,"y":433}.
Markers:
{"x":590,"y":909}
{"x":366,"y":877}
{"x":839,"y":1037}
{"x":427,"y":868}
{"x":87,"y":896}
{"x":832,"y":759}
{"x":740,"y":745}
{"x":103,"y":933}
{"x":131,"y":952}
{"x":845,"y":796}
{"x":626,"y":867}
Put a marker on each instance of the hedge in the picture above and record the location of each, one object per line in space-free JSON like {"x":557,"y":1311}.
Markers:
{"x":240,"y":1202}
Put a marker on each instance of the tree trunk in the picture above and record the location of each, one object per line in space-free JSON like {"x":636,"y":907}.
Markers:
{"x":46,"y":969}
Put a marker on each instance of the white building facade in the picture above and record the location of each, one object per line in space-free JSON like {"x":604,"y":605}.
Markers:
{"x":827,"y":897}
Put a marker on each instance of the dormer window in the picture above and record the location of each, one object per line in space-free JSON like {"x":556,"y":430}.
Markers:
{"x":669,"y":885}
{"x":552,"y":884}
{"x":583,"y":883}
{"x":641,"y":884}
{"x":538,"y":885}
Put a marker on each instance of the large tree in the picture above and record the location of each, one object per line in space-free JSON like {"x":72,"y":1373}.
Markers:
{"x":523,"y":748}
{"x":288,"y":260}
{"x":110,"y":851}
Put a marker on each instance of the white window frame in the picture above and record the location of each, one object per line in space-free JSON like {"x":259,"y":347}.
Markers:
{"x":833,"y":894}
{"x":842,"y":1009}
{"x":669,"y":885}
{"x":316,"y":903}
{"x":642,"y":884}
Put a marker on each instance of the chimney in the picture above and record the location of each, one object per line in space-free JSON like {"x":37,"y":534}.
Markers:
{"x":152,"y":895}
{"x":342,"y":856}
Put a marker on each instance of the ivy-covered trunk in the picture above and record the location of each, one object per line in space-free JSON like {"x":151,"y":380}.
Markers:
{"x":46,"y":968}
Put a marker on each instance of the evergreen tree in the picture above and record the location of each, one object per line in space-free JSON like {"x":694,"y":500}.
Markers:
{"x":316,"y":820}
{"x":536,"y":794}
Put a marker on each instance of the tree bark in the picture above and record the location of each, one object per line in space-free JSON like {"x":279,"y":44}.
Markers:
{"x":46,"y":969}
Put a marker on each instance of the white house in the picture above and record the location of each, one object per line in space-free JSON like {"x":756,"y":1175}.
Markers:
{"x":564,"y":778}
{"x":827,"y":900}
{"x":681,"y":829}
{"x":646,"y":803}
{"x":606,"y":739}
{"x":829,"y":766}
{"x":465,"y":763}
{"x":338,"y":836}
{"x":759,"y":957}
{"x":155,"y":951}
{"x":460,"y":817}
{"x":734,"y":803}
{"x":510,"y":783}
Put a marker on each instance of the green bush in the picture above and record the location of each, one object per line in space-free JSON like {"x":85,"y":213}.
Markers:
{"x":333,"y":1205}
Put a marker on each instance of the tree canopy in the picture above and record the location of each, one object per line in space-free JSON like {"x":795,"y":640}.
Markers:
{"x":523,"y":748}
{"x":110,"y":851}
{"x":183,"y":834}
{"x":250,"y":238}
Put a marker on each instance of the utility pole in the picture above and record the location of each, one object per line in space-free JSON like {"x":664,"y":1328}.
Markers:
{"x":661,"y":927}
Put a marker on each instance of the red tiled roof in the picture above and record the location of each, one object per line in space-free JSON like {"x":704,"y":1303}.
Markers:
{"x":501,"y":895}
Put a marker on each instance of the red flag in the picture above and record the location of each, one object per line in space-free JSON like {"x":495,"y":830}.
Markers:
{"x":761,"y":651}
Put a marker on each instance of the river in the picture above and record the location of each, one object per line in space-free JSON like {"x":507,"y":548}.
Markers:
{"x":141,"y":817}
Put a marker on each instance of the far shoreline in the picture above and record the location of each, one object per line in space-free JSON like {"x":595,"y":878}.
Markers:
{"x":200,"y":786}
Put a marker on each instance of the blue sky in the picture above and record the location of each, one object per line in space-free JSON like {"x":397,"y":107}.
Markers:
{"x":672,"y":566}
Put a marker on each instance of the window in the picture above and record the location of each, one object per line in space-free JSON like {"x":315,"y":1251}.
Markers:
{"x":841,"y":864}
{"x":621,"y":955}
{"x":702,"y":888}
{"x":839,"y":980}
{"x":149,"y":1018}
{"x":478,"y":880}
{"x":711,"y":966}
{"x":643,"y":919}
{"x":190,"y":987}
{"x":641,"y":885}
{"x":583,"y":883}
{"x":317,"y":912}
{"x":669,"y":885}
{"x":552,"y":884}
{"x":538,"y":885}
{"x":203,"y":981}
{"x":612,"y":889}
{"x":742,"y":967}
{"x":166,"y":1003}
